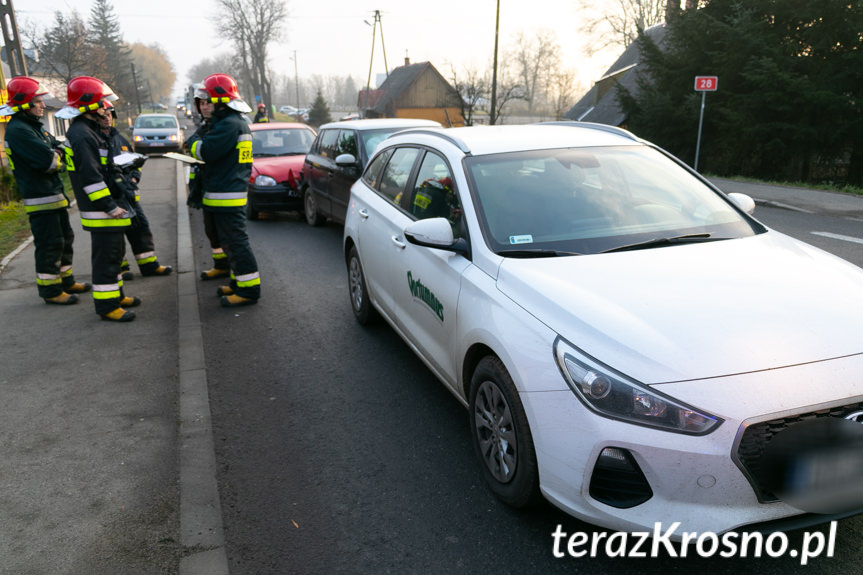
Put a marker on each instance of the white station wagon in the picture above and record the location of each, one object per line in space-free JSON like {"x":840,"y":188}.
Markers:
{"x":630,"y":342}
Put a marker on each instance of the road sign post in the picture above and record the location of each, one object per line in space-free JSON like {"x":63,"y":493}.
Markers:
{"x":703,"y":84}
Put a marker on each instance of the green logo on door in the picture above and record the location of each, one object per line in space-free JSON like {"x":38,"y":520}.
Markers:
{"x":418,"y":290}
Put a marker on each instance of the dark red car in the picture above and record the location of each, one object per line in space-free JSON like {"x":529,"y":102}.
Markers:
{"x":278,"y":151}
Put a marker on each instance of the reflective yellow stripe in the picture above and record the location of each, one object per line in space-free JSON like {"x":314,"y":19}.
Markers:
{"x":225,"y":203}
{"x":44,"y":281}
{"x":106,"y":294}
{"x":248,"y":280}
{"x":196,"y":146}
{"x":110,"y":223}
{"x":99,"y":194}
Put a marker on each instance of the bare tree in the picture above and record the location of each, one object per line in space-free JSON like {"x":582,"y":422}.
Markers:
{"x":620,"y":25}
{"x":561,"y":86}
{"x":63,"y":48}
{"x":252,"y":25}
{"x":536,"y":60}
{"x":509,"y":89}
{"x":474,"y":89}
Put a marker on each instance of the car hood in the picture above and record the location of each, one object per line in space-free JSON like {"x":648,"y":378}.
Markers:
{"x":155,"y":131}
{"x":696,"y":311}
{"x":278,"y":167}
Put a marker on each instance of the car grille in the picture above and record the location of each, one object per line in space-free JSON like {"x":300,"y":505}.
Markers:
{"x":756,"y":437}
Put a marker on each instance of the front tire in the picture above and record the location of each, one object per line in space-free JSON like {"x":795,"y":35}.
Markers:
{"x":501,"y":435}
{"x":310,"y":208}
{"x":360,"y":304}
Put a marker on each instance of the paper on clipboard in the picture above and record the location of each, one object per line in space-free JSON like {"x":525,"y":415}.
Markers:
{"x":127,"y":159}
{"x":183,"y":158}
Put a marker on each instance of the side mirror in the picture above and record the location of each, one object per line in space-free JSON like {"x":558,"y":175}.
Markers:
{"x":744,"y":202}
{"x":435,"y":233}
{"x":346,"y":161}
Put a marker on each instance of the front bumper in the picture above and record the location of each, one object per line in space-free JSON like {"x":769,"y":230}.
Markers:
{"x":280,"y":197}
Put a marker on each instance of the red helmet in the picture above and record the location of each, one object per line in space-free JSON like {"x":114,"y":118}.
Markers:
{"x":261,"y":107}
{"x":21,"y":91}
{"x":85,"y":94}
{"x":223,"y":89}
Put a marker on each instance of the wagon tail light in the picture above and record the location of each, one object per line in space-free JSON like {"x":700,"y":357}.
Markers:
{"x":616,"y":396}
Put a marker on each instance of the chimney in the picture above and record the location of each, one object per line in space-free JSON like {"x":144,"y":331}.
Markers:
{"x":407,"y":60}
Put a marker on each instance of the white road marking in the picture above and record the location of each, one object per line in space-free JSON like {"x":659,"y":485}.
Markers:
{"x":839,"y":237}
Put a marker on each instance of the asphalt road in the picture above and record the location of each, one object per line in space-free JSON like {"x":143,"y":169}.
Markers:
{"x":339,"y":452}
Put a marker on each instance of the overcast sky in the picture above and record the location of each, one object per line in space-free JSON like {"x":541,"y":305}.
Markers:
{"x":332,"y":38}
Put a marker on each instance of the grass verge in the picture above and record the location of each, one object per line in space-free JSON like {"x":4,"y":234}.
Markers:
{"x":14,"y":227}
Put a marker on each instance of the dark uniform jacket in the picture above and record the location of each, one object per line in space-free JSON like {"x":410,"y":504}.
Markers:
{"x":196,"y":172}
{"x":126,"y":176}
{"x":227,"y":151}
{"x":35,"y":163}
{"x":90,"y":166}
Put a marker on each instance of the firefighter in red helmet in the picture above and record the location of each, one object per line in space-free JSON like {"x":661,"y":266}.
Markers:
{"x":204,"y":107}
{"x":35,"y":160}
{"x":139,"y":234}
{"x":261,"y":116}
{"x":104,"y":208}
{"x":227,"y":152}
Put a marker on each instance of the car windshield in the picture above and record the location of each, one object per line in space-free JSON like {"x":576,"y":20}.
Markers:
{"x":371,"y":138}
{"x":593,"y":200}
{"x":156,"y":122}
{"x":281,"y":142}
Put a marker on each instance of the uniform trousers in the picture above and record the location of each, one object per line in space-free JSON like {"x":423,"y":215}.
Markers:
{"x":231,"y":230}
{"x":52,"y":238}
{"x":106,"y":260}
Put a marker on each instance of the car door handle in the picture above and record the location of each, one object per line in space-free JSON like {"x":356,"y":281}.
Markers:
{"x":364,"y":213}
{"x":398,"y":242}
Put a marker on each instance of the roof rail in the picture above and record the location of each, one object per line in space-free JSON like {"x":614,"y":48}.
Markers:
{"x":452,"y":140}
{"x":595,"y":126}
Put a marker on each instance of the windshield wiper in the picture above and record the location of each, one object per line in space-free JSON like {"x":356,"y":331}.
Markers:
{"x":535,"y":253}
{"x":656,"y":242}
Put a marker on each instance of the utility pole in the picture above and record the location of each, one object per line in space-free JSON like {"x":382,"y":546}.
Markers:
{"x":297,"y":81}
{"x":371,"y":60}
{"x":14,"y":52}
{"x":137,"y":96}
{"x":492,"y":116}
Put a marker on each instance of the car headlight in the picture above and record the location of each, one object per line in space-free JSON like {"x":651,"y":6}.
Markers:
{"x":265,"y":181}
{"x":139,"y":138}
{"x":612,"y":394}
{"x":173,"y":137}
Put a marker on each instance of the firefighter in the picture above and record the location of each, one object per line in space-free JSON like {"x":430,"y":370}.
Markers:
{"x":227,"y":151}
{"x":261,"y":116}
{"x":105,"y":211}
{"x":126,"y":177}
{"x":196,"y":190}
{"x":35,"y":161}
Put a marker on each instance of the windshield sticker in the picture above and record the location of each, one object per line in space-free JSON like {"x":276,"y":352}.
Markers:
{"x":526,"y":239}
{"x":424,"y":294}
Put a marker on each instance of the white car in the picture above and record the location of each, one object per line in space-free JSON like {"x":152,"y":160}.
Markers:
{"x":629,"y":341}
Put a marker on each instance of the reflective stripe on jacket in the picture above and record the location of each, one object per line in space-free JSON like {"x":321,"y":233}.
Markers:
{"x":35,"y":162}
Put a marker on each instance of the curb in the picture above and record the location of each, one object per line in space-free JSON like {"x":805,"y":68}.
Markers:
{"x":201,"y":533}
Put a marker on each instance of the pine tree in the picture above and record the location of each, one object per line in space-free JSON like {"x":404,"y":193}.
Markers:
{"x":319,"y":112}
{"x":112,"y":60}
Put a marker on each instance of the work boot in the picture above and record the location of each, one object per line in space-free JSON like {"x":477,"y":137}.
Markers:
{"x":127,"y":276}
{"x":213,"y":273}
{"x":118,"y":314}
{"x":236,"y":301}
{"x":79,"y":287}
{"x":159,"y":271}
{"x":224,"y":290}
{"x":62,"y":299}
{"x":130,"y":301}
